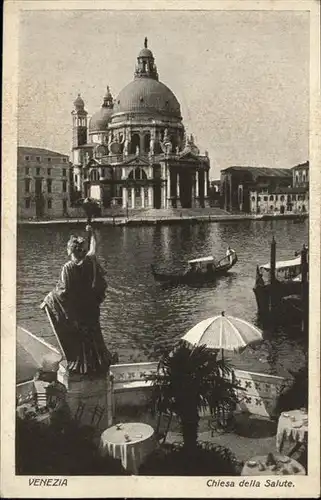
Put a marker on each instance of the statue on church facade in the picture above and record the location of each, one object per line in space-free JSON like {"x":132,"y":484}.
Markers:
{"x":166,"y":144}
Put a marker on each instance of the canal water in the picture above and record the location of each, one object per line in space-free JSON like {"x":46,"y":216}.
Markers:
{"x":140,"y":318}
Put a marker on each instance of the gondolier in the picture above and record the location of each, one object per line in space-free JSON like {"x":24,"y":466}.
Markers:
{"x":230,"y":253}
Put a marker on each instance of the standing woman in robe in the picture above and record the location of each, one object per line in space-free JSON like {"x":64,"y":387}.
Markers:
{"x":73,"y":308}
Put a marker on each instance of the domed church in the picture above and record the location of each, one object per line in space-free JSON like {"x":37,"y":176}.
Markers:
{"x":134,"y":152}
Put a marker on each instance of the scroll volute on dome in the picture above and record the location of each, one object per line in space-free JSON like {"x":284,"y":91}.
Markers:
{"x":115,"y":147}
{"x":100,"y":151}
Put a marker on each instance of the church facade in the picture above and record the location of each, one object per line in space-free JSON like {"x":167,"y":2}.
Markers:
{"x":134,"y":152}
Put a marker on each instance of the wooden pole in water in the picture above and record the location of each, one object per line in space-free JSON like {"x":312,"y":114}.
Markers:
{"x":304,"y":289}
{"x":272,"y":273}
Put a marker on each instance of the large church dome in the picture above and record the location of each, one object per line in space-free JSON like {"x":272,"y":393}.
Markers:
{"x":145,"y":94}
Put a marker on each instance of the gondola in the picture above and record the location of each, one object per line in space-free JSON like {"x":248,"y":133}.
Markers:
{"x":202,"y":270}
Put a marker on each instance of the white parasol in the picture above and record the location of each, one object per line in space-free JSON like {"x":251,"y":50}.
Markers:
{"x":223,"y":332}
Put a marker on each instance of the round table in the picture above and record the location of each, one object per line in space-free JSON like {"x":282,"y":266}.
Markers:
{"x":130,"y":442}
{"x":285,"y":466}
{"x":292,"y":425}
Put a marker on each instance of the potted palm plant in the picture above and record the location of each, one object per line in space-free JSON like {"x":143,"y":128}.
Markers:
{"x":190,"y":380}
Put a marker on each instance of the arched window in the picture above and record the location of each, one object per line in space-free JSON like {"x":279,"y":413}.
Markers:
{"x":138,"y":174}
{"x":253,"y":198}
{"x":271,"y":197}
{"x":147,"y":143}
{"x":94,"y":175}
{"x":282,"y":197}
{"x":135,"y":141}
{"x":271,"y":207}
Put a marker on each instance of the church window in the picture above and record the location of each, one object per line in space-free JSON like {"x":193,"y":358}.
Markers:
{"x":94,"y":175}
{"x":38,"y":159}
{"x":147,"y":143}
{"x":282,"y":197}
{"x":64,"y":160}
{"x":49,"y":185}
{"x":103,"y":172}
{"x":49,"y":204}
{"x":271,"y":197}
{"x":265,"y":198}
{"x":27,"y":170}
{"x":135,"y":141}
{"x":27,"y":158}
{"x":38,"y":171}
{"x":64,"y":186}
{"x":49,"y":171}
{"x":253,"y":198}
{"x":49,"y":160}
{"x":137,"y":174}
{"x":64,"y":172}
{"x":271,"y":207}
{"x":27,"y":203}
{"x":259,"y":198}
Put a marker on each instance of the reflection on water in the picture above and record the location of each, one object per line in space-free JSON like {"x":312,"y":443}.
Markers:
{"x":140,"y":317}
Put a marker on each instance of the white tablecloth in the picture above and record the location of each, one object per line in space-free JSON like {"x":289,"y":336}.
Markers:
{"x":285,"y":466}
{"x":133,"y":451}
{"x":292,"y":425}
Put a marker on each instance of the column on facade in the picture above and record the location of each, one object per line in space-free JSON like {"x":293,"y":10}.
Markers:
{"x":168,"y":184}
{"x":197,"y":184}
{"x":177,"y":187}
{"x":123,"y":173}
{"x":125,"y":196}
{"x":205,"y":183}
{"x":150,"y":197}
{"x":133,"y":197}
{"x":142,"y":196}
{"x":141,"y":143}
{"x":163,"y":192}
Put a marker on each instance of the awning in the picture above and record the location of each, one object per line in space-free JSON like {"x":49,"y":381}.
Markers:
{"x":201,"y":259}
{"x":283,"y":264}
{"x":31,"y":352}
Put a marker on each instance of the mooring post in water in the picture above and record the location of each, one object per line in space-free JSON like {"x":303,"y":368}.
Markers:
{"x":272,"y":273}
{"x":304,"y":288}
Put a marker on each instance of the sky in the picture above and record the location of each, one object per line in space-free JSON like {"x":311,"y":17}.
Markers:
{"x":242,"y":78}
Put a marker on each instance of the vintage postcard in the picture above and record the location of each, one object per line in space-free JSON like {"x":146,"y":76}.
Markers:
{"x":160,"y":283}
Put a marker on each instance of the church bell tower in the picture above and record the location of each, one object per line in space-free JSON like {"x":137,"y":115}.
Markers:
{"x":79,"y":123}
